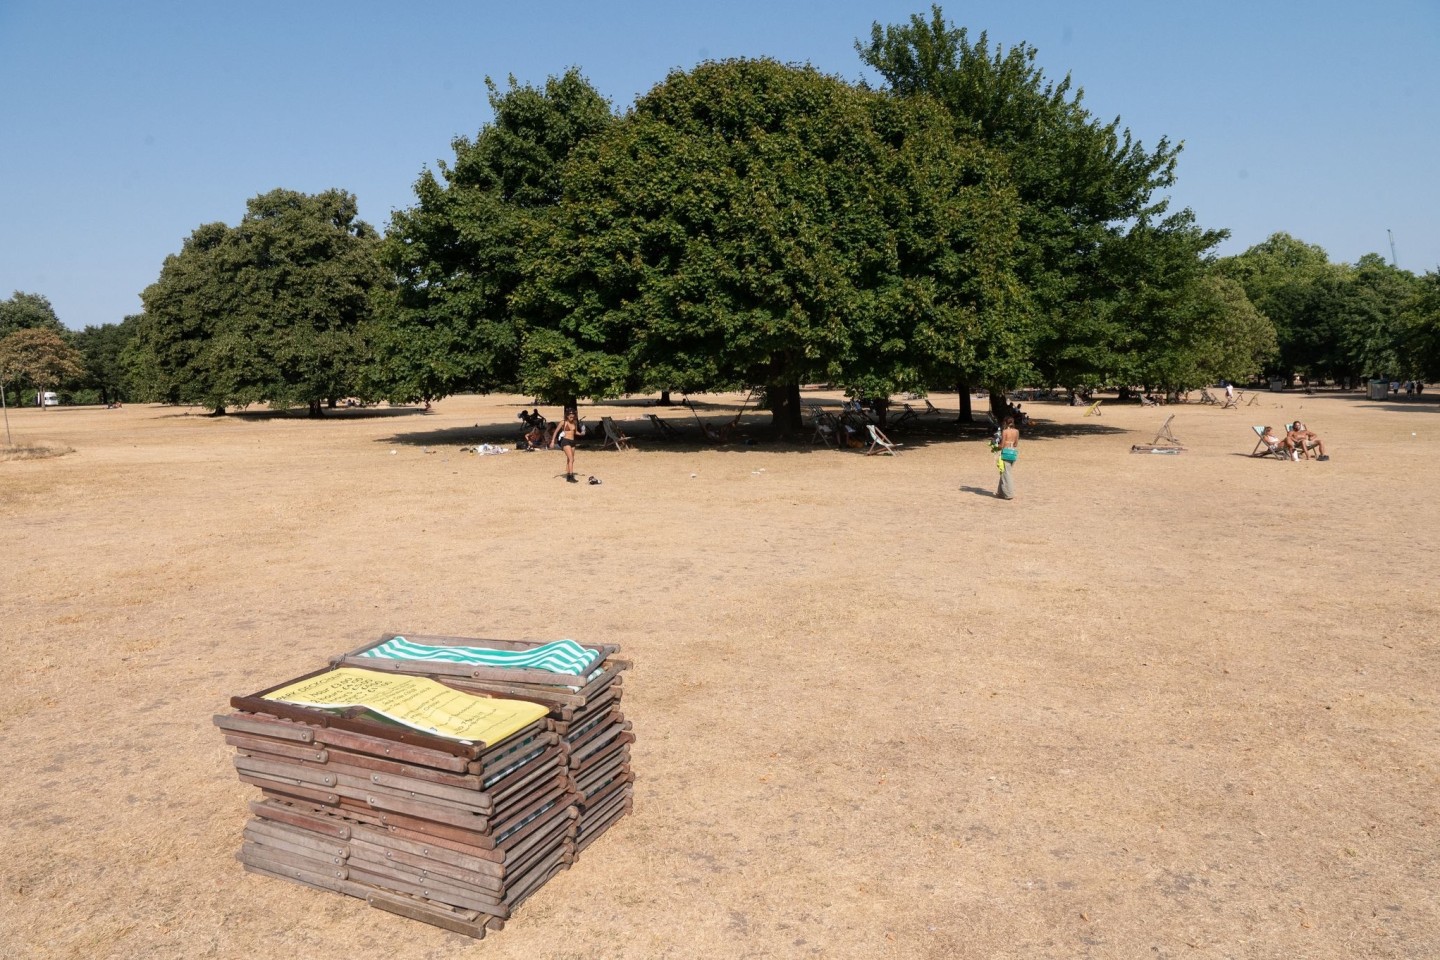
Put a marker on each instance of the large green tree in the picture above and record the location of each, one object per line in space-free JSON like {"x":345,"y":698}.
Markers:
{"x":1338,"y":321}
{"x":274,"y":309}
{"x":1282,"y":277}
{"x":28,"y":311}
{"x":1359,"y":314}
{"x":176,"y":354}
{"x":38,"y":358}
{"x":459,"y":254}
{"x":103,"y":350}
{"x":1084,"y":186}
{"x":1421,"y":330}
{"x":752,"y":224}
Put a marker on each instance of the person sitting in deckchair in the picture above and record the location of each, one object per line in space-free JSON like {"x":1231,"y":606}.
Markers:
{"x":1275,"y":443}
{"x":1302,"y":438}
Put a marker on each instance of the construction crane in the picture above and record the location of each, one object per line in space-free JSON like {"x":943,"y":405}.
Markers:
{"x":1393,"y":262}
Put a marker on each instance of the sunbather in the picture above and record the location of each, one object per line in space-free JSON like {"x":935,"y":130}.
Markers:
{"x":1274,"y":442}
{"x":566,"y":431}
{"x":1304,"y":439}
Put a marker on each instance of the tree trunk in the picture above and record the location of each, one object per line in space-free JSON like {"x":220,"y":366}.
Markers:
{"x":784,"y":403}
{"x":330,"y":402}
{"x":664,"y":400}
{"x":315,"y":410}
{"x":967,"y":414}
{"x":998,"y":406}
{"x":219,"y":410}
{"x":1124,"y":394}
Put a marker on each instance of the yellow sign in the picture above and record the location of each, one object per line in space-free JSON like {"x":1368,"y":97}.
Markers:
{"x":417,"y":702}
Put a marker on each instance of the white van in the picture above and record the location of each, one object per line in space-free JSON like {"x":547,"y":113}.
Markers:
{"x":47,"y":399}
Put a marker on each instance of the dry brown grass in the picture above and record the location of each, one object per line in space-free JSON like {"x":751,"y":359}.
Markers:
{"x":1156,"y":707}
{"x":32,"y":451}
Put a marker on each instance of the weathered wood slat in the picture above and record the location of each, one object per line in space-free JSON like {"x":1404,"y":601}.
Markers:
{"x":268,"y":747}
{"x":437,"y":915}
{"x":321,"y":824}
{"x":264,"y":726}
{"x":393,"y":750}
{"x":265,"y":832}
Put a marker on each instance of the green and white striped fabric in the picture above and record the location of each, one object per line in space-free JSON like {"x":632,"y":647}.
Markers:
{"x":559,"y":656}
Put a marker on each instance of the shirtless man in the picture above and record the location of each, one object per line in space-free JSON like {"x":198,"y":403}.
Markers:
{"x":565,"y":433}
{"x":1304,"y":439}
{"x":1009,"y":453}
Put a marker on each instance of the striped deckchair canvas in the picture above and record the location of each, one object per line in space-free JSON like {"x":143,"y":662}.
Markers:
{"x":560,"y":656}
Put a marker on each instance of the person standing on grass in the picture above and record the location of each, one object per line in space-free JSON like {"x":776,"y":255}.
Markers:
{"x":565,"y":433}
{"x":1009,"y":454}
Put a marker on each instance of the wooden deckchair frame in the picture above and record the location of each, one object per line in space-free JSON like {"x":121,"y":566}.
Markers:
{"x":613,"y":435}
{"x":1165,"y":434}
{"x":1165,"y":441}
{"x":879,"y":443}
{"x":1263,"y":449}
{"x":724,"y":432}
{"x":664,"y":428}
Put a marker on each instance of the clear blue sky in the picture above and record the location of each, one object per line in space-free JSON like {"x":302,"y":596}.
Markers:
{"x":123,"y":126}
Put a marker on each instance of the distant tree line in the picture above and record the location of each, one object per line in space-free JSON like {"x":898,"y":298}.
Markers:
{"x":753,"y":225}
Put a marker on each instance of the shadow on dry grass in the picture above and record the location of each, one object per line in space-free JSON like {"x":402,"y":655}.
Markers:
{"x":33,"y":451}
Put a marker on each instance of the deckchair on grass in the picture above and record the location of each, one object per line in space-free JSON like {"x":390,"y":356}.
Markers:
{"x":666,"y":431}
{"x":1165,"y":441}
{"x":613,"y":436}
{"x":827,"y":430}
{"x":1093,"y":410}
{"x":879,"y":443}
{"x":909,"y":413}
{"x":1263,"y":449}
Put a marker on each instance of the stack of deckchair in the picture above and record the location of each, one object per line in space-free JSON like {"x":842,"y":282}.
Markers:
{"x":452,"y":832}
{"x":581,"y":686}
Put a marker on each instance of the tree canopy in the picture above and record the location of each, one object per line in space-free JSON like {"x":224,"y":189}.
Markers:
{"x":274,"y":309}
{"x":39,"y":358}
{"x":460,"y":253}
{"x":1096,"y":242}
{"x":1333,"y":320}
{"x":756,"y":224}
{"x":28,"y":311}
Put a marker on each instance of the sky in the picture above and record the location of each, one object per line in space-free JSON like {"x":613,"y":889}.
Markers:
{"x":124,"y":126}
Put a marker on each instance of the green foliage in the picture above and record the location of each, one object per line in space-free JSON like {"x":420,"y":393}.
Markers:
{"x":103,"y":350}
{"x":38,"y":358}
{"x":460,"y":253}
{"x":1420,"y":330}
{"x":1332,"y":320}
{"x":756,"y":224}
{"x":28,"y":311}
{"x":1085,"y":188}
{"x":1281,"y":277}
{"x":274,"y":309}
